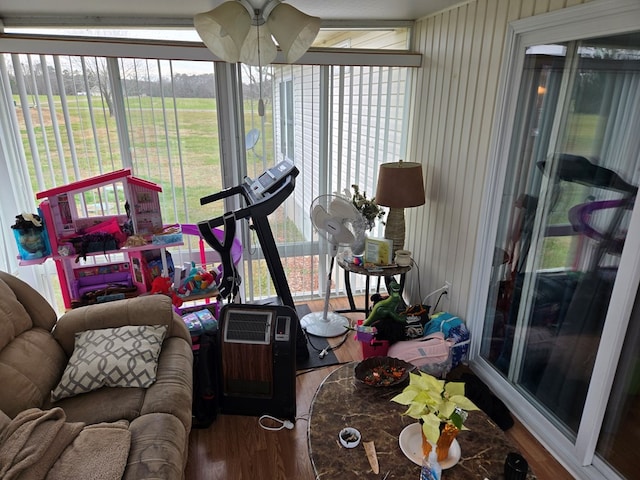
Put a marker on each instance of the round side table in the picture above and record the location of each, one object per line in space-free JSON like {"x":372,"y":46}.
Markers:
{"x":386,"y":272}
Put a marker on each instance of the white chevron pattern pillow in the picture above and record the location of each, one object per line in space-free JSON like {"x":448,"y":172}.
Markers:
{"x":114,"y":357}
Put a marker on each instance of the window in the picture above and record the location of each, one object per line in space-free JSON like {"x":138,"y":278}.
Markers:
{"x":286,"y":119}
{"x":566,"y":216}
{"x":84,"y":116}
{"x":345,"y":122}
{"x":78,"y":116}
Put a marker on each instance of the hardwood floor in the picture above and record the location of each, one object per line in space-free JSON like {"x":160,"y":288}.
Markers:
{"x":237,"y":448}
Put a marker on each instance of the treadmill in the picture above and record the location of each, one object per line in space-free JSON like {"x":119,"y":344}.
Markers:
{"x":261,"y":197}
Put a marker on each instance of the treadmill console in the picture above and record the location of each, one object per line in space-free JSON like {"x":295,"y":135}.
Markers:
{"x":269,"y":179}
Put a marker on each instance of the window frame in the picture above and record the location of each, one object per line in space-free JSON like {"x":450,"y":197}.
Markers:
{"x":188,"y":50}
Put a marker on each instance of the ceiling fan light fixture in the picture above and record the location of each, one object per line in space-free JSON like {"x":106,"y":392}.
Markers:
{"x":294,"y":30}
{"x":224,"y":29}
{"x":235,"y":32}
{"x":258,"y":48}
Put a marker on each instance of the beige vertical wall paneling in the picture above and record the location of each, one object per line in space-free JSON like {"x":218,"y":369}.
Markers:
{"x":432,"y":146}
{"x":479,"y":24}
{"x":421,"y":220}
{"x":415,"y":97}
{"x":437,"y":189}
{"x":457,"y":154}
{"x":491,"y":60}
{"x":528,"y":8}
{"x":466,"y":69}
{"x":541,"y":6}
{"x":446,"y":114}
{"x":480,"y":86}
{"x":557,"y":4}
{"x":419,"y":93}
{"x":454,"y":96}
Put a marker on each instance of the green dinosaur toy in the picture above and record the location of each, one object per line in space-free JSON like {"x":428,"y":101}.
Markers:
{"x":387,"y":308}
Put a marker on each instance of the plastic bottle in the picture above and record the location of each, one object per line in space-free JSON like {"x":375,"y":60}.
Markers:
{"x":431,"y":469}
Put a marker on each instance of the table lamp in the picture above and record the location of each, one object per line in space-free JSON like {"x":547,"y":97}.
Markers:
{"x":400,"y":185}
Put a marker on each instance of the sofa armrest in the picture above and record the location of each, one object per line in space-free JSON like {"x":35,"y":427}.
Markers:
{"x":159,"y":445}
{"x":143,"y":310}
{"x":41,"y":313}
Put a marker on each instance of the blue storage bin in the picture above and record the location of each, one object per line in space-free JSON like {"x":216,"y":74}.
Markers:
{"x":33,"y":243}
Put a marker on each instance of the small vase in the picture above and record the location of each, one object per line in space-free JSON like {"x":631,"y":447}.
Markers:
{"x":447,"y":435}
{"x":426,"y":445}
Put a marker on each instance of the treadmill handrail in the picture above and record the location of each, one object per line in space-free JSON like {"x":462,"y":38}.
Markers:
{"x":261,"y":207}
{"x":227,"y":192}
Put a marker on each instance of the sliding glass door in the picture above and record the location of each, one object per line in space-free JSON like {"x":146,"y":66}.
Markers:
{"x":570,"y":189}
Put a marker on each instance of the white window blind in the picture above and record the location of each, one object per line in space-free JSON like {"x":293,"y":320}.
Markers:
{"x":346,"y":121}
{"x":80,"y":116}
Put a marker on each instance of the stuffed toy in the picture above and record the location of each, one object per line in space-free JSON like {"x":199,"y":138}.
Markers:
{"x":163,"y":285}
{"x":198,"y":281}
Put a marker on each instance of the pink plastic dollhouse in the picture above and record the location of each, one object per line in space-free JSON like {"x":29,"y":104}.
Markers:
{"x":95,"y":218}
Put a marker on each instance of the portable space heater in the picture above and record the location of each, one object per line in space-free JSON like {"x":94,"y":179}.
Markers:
{"x":257,"y":348}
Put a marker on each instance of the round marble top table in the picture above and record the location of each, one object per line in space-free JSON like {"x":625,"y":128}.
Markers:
{"x":342,"y":401}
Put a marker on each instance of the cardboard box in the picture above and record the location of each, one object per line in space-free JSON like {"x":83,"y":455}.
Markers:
{"x":378,"y":251}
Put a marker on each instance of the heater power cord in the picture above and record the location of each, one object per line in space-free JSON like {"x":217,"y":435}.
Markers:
{"x":322,"y":352}
{"x":280,"y":424}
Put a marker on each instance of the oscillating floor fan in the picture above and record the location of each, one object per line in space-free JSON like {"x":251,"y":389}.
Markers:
{"x":338,"y":221}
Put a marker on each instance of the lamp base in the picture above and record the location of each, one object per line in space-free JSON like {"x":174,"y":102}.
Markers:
{"x":395,"y":229}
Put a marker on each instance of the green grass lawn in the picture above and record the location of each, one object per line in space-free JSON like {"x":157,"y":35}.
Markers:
{"x":178,"y":144}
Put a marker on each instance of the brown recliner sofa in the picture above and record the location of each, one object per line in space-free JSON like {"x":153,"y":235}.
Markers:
{"x":35,"y":348}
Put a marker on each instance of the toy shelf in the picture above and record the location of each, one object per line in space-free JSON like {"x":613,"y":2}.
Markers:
{"x":201,"y":296}
{"x":37,"y":261}
{"x":105,"y":209}
{"x":140,"y":248}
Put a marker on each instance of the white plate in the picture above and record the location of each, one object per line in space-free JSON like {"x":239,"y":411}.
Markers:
{"x":410,"y":440}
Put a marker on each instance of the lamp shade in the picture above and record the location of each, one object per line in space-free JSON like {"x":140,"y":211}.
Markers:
{"x":294,"y":30}
{"x":400,"y":185}
{"x":258,"y":47}
{"x":224,"y":29}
